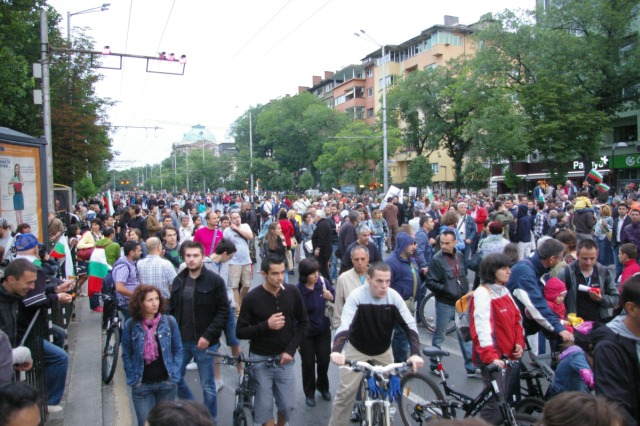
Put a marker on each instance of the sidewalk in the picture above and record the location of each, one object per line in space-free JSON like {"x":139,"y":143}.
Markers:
{"x":86,"y":400}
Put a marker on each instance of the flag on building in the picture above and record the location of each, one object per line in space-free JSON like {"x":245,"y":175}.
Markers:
{"x":603,"y":187}
{"x":98,"y":269}
{"x":595,"y":175}
{"x":61,"y":251}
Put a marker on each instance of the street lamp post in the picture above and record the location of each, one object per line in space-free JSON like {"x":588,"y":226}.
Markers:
{"x":105,"y":6}
{"x":612,"y":162}
{"x":251,"y":158}
{"x":385,"y":145}
{"x":445,"y":178}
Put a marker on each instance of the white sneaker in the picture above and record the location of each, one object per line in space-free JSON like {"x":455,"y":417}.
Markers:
{"x":192,"y":366}
{"x":54,"y":408}
{"x":219,"y":384}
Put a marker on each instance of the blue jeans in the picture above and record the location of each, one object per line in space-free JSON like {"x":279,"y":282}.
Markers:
{"x":399,"y":344}
{"x":444,"y":315}
{"x":145,"y":396}
{"x":379,"y":240}
{"x":614,"y":249}
{"x":334,"y":263}
{"x":205,"y":369}
{"x":56,"y":361}
{"x":94,"y":302}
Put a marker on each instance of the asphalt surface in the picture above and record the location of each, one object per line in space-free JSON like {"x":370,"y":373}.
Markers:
{"x":83,"y":405}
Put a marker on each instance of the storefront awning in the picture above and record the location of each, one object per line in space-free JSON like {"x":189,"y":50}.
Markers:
{"x":538,"y":176}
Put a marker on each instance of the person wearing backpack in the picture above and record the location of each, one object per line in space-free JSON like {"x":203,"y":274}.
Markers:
{"x":495,"y":326}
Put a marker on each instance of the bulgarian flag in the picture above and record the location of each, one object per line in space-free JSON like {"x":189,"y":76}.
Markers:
{"x":98,"y":269}
{"x":61,"y":251}
{"x":108,"y":203}
{"x":595,"y":175}
{"x":603,"y":187}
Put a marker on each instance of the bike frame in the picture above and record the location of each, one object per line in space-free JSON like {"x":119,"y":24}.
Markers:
{"x":470,"y":406}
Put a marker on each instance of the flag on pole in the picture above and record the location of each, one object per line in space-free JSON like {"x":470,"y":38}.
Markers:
{"x":603,"y":187}
{"x":429,"y":193}
{"x":61,"y":251}
{"x":98,"y":269}
{"x":108,"y":203}
{"x":595,"y":175}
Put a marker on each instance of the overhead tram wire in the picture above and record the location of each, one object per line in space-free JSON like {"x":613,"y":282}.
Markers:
{"x":215,"y":74}
{"x":126,"y":44}
{"x":282,"y":39}
{"x":146,"y":77}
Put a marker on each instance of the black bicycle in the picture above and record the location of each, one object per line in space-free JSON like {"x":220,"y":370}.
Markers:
{"x":427,"y":314}
{"x":112,"y":335}
{"x":423,"y":402}
{"x":245,"y":392}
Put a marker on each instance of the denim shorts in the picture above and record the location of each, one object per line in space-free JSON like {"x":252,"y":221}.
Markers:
{"x":230,"y":329}
{"x":273,"y":383}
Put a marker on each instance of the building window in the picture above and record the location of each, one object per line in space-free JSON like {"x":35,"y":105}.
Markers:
{"x":625,"y":133}
{"x":369,"y":92}
{"x":370,"y":72}
{"x":434,"y":168}
{"x":369,"y":112}
{"x":431,"y":67}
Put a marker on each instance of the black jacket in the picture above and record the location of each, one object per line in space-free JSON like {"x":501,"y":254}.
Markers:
{"x":211,"y":309}
{"x":9,"y":307}
{"x":614,"y":231}
{"x":321,"y":238}
{"x":441,"y":278}
{"x":617,"y":371}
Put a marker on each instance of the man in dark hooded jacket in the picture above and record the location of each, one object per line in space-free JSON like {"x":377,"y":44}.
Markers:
{"x":616,"y":364}
{"x":405,"y":279}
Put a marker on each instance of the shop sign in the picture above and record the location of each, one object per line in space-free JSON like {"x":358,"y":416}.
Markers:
{"x":628,"y":161}
{"x":603,"y":161}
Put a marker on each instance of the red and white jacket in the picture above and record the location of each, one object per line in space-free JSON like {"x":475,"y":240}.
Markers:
{"x":495,"y":323}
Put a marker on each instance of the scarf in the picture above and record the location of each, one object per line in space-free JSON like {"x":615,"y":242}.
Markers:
{"x":150,"y":351}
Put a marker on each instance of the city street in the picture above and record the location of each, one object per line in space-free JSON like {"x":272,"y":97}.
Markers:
{"x":118,"y":396}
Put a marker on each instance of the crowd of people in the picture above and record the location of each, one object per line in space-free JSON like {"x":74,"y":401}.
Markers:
{"x":183,"y":264}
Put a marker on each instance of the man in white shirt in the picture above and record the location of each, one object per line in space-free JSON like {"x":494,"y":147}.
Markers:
{"x":240,"y":265}
{"x":186,"y":229}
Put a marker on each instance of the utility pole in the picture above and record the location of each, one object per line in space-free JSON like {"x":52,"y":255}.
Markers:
{"x":46,"y":104}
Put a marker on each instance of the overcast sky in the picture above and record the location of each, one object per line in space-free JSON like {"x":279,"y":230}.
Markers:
{"x":240,"y":53}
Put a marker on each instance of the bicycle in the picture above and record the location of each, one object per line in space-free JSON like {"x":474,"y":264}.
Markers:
{"x":379,"y":388}
{"x":243,"y":412}
{"x":427,"y":314}
{"x":422,"y":401}
{"x":113,"y":333}
{"x":531,"y":377}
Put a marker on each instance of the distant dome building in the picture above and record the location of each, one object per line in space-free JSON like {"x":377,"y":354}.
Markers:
{"x":198,"y":138}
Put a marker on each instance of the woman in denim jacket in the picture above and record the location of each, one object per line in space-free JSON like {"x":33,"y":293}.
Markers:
{"x":151,"y":351}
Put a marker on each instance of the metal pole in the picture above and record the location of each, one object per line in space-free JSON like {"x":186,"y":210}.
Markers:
{"x":160,"y":176}
{"x":251,"y":158}
{"x":204,"y":179}
{"x":69,"y":28}
{"x":186,"y":153}
{"x":385,"y":146}
{"x":46,"y":104}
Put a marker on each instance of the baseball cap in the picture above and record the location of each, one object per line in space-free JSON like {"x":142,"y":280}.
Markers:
{"x":26,"y":242}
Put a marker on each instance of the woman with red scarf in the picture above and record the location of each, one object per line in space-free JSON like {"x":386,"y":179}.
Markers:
{"x":151,"y":351}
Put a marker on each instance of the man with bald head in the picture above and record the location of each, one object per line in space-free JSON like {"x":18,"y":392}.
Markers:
{"x":155,"y":270}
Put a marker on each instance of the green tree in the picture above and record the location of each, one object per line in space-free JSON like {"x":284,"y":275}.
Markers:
{"x":292,"y":130}
{"x":328,"y":180}
{"x":475,"y":175}
{"x":306,"y":181}
{"x":420,"y":173}
{"x":569,"y":73}
{"x":86,"y":188}
{"x":431,"y":105}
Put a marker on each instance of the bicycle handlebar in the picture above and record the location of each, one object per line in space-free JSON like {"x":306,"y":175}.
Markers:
{"x":493,"y":368}
{"x":242,"y":358}
{"x":105,"y":296}
{"x":379,"y":369}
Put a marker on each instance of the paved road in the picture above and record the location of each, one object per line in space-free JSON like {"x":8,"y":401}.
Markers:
{"x":118,"y":410}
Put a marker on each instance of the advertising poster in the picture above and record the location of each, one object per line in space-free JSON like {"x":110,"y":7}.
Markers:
{"x":20,"y":191}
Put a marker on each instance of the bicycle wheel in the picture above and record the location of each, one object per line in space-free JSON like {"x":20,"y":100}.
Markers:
{"x":243,"y":417}
{"x":531,"y":406}
{"x":427,"y":314}
{"x":110,"y":353}
{"x":418,"y":393}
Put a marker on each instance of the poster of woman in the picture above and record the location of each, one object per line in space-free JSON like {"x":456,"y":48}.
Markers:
{"x":20,"y":187}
